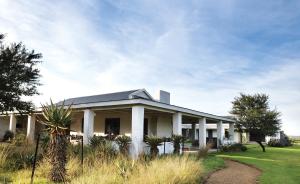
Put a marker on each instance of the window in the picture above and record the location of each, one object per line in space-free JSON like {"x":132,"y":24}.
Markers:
{"x":112,"y":126}
{"x":145,"y":127}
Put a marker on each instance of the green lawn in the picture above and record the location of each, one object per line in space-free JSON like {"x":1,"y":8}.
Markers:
{"x":279,"y":165}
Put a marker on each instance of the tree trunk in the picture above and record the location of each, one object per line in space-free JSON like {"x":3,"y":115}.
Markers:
{"x":261,"y":145}
{"x":58,"y":158}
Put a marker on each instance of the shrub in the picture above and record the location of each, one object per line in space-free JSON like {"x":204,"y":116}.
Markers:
{"x":20,"y":139}
{"x":102,"y":153}
{"x":234,"y":147}
{"x":280,"y":142}
{"x":203,"y":152}
{"x":123,"y":141}
{"x":8,"y":135}
{"x":177,"y":139}
{"x":44,"y":141}
{"x":20,"y":157}
{"x":153,"y":142}
{"x":96,"y":141}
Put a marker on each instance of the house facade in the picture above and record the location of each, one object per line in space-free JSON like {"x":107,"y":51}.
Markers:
{"x":133,"y":113}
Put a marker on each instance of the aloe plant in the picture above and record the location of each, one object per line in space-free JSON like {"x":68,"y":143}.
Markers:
{"x":57,"y":119}
{"x":177,"y":139}
{"x":123,"y":141}
{"x":153,"y":143}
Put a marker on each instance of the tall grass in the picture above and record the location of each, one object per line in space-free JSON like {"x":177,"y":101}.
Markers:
{"x":104,"y":166}
{"x":4,"y":153}
{"x":170,"y":169}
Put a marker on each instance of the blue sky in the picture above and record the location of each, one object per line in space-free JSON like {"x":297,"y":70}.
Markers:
{"x":203,"y":52}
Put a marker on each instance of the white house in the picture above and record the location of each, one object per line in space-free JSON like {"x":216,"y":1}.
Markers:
{"x":134,"y":113}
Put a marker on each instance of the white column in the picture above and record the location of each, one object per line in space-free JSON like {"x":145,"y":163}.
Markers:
{"x":177,"y":123}
{"x":231,"y":131}
{"x":137,"y":130}
{"x":30,"y":127}
{"x":88,"y":121}
{"x":202,"y":133}
{"x":220,"y":133}
{"x":12,"y":123}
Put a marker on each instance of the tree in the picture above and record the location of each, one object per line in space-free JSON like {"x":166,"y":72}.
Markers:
{"x":57,"y":120}
{"x":253,"y":115}
{"x":18,"y":76}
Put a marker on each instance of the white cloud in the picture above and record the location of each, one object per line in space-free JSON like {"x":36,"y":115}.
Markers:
{"x":201,"y":51}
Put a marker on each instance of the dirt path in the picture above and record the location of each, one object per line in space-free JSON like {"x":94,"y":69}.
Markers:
{"x":234,"y":173}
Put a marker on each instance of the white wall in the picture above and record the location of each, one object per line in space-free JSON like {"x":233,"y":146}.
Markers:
{"x":164,"y":126}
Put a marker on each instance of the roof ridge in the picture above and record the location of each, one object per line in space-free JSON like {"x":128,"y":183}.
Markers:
{"x":103,"y":94}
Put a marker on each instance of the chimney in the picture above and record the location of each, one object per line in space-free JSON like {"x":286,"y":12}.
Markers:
{"x":164,"y":97}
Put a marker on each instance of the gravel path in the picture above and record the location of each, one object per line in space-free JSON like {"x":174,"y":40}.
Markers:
{"x":234,"y":173}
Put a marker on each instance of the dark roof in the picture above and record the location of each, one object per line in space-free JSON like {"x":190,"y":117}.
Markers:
{"x":124,"y":95}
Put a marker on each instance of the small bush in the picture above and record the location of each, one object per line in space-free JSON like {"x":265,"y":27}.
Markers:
{"x":44,"y":141}
{"x":20,"y":139}
{"x":280,"y":142}
{"x":203,"y":152}
{"x":8,"y":135}
{"x":123,"y":141}
{"x":96,"y":141}
{"x":177,"y":139}
{"x":234,"y":148}
{"x":20,"y":157}
{"x":153,"y":142}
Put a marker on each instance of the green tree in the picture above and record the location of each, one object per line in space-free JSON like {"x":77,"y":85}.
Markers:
{"x":19,"y":76}
{"x":57,"y":120}
{"x":253,"y":115}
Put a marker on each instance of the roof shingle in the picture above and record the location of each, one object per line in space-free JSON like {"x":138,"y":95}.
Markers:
{"x":124,"y":95}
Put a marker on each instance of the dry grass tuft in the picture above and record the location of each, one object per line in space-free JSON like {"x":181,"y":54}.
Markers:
{"x":171,"y":169}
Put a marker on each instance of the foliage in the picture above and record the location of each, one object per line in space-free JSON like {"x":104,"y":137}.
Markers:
{"x":57,"y":119}
{"x":96,"y":141}
{"x":253,"y":115}
{"x":234,"y":148}
{"x":278,"y":165}
{"x":4,"y":153}
{"x":123,"y":141}
{"x":280,"y":142}
{"x":8,"y":135}
{"x":125,"y":167}
{"x":18,"y":76}
{"x":44,"y":141}
{"x":176,"y":140}
{"x":203,"y":152}
{"x":160,"y":170}
{"x":19,"y":157}
{"x":117,"y":169}
{"x":170,"y":169}
{"x":153,"y":142}
{"x":20,"y":139}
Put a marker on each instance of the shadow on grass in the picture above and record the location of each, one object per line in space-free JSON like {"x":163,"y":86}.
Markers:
{"x":250,"y":158}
